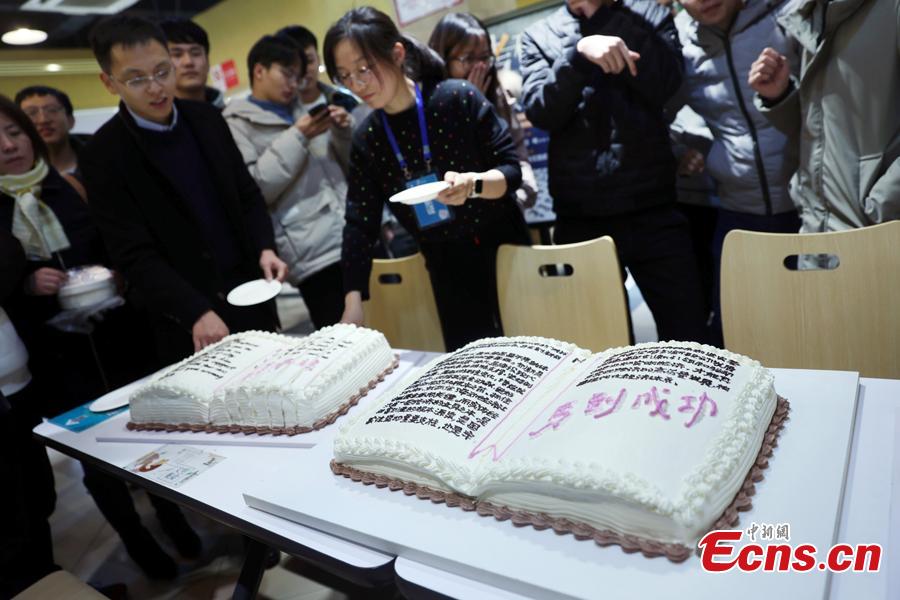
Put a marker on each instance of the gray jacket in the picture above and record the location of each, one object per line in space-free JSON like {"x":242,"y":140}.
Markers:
{"x":846,"y":108}
{"x":750,"y":159}
{"x":303,"y":182}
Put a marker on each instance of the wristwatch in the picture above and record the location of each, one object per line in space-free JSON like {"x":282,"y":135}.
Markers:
{"x":477,"y":188}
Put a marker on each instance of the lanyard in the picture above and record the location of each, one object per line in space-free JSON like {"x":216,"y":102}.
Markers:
{"x":426,"y":149}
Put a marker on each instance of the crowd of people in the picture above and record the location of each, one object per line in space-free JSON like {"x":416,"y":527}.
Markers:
{"x":185,"y":196}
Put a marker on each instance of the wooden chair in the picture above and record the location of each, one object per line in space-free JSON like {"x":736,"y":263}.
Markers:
{"x":401,"y":304}
{"x":572,"y":292}
{"x":60,"y":584}
{"x":845,"y":318}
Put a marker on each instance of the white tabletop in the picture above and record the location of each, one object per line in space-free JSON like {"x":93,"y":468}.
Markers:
{"x":866,"y":515}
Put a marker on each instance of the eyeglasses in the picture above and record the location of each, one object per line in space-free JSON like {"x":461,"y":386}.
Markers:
{"x":362,"y":76}
{"x":142,"y":82}
{"x":290,"y":76}
{"x":51,"y":110}
{"x":467,"y":59}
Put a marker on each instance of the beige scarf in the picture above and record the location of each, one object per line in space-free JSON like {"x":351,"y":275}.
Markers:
{"x":34,"y":223}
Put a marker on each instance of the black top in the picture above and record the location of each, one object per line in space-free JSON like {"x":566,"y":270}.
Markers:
{"x":465,"y":134}
{"x":152,"y":235}
{"x":609,"y":147}
{"x":179,"y":154}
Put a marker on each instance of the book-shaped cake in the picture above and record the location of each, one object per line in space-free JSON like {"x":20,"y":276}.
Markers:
{"x":648,"y":446}
{"x":258,"y":382}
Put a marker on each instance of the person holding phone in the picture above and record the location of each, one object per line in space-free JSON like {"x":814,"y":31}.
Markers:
{"x":425,"y":128}
{"x":297,"y":153}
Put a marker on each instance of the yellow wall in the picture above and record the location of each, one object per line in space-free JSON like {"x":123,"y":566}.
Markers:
{"x":233,"y":26}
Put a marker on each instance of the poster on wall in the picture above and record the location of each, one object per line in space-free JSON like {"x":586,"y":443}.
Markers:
{"x":506,"y":41}
{"x":224,"y":76}
{"x":409,"y":11}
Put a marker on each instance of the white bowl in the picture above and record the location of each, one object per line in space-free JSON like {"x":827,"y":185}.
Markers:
{"x":86,"y":286}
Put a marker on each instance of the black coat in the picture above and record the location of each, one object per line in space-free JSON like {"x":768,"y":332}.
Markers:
{"x":609,"y":146}
{"x":151,"y":234}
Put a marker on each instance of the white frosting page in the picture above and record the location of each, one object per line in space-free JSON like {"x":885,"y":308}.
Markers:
{"x":305,"y":382}
{"x":668,"y":431}
{"x":468,"y":402}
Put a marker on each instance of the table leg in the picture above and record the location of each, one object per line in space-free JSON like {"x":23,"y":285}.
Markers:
{"x":247,"y":584}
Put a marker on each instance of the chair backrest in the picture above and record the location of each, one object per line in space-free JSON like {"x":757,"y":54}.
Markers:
{"x":60,"y":584}
{"x":844,"y":318}
{"x":572,"y":292}
{"x":401,"y":304}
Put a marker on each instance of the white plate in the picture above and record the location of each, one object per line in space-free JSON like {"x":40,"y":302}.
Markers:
{"x":254,"y":292}
{"x":420,"y":193}
{"x":113,"y":400}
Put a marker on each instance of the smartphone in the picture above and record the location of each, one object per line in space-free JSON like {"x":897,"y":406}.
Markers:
{"x":316,"y":110}
{"x":345,"y":101}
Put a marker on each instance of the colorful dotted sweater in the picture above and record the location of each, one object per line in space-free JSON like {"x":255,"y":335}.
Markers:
{"x":465,"y":134}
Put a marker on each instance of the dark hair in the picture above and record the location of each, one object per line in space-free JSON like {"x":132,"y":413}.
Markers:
{"x":376,"y":34}
{"x":184,"y":31}
{"x":301,"y":35}
{"x":43,"y":90}
{"x":18,"y":116}
{"x":460,"y":29}
{"x":274,"y":49}
{"x":124,"y":30}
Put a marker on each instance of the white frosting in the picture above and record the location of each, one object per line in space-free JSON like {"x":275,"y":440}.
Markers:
{"x":624,"y":469}
{"x":263,"y":379}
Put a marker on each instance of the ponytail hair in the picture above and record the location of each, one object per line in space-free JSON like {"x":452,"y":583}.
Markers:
{"x":375,"y":34}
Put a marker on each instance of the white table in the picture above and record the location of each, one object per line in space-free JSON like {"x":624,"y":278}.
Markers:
{"x":864,"y":518}
{"x":216,"y":493}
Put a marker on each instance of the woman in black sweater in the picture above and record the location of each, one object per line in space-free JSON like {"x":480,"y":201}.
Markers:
{"x":421,"y":128}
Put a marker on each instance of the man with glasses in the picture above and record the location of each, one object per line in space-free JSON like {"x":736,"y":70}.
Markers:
{"x":51,"y":112}
{"x":189,"y":49}
{"x":182,"y":219}
{"x":298,"y":154}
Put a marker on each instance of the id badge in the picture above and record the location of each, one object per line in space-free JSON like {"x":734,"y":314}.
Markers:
{"x":431,"y":213}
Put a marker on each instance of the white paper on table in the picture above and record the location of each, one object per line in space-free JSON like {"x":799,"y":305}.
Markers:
{"x":173,"y":465}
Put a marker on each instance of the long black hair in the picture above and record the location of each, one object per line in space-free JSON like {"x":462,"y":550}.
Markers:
{"x":375,"y":34}
{"x":456,"y":30}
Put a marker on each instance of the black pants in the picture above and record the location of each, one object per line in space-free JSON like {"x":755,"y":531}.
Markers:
{"x":27,"y":498}
{"x":323,"y":293}
{"x":464,"y":279}
{"x":655,"y":245}
{"x":728,"y":220}
{"x":113,"y":498}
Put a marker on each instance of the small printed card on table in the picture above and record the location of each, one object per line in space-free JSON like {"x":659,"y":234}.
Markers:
{"x":172,"y":465}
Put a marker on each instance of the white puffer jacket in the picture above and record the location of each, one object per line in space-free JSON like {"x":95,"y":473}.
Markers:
{"x":303,"y":182}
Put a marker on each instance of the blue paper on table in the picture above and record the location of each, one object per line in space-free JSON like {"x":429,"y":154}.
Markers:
{"x":81,"y":418}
